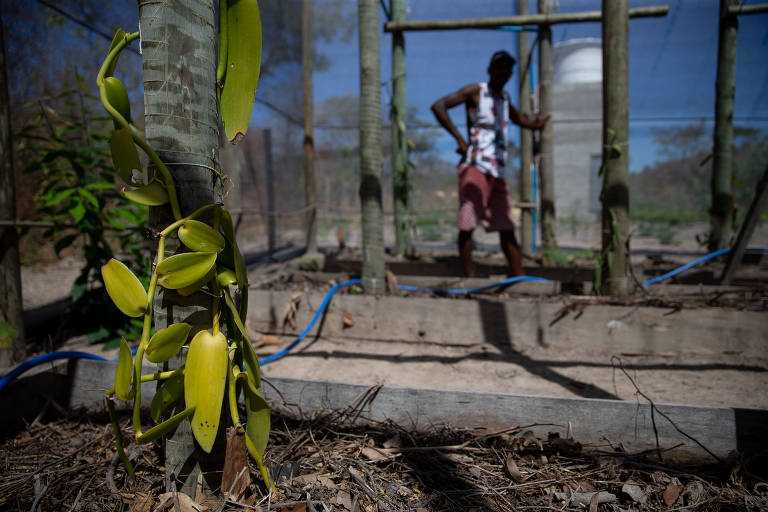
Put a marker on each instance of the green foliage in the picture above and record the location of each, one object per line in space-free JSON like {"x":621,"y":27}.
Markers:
{"x":7,"y":335}
{"x":677,"y":191}
{"x":652,"y":213}
{"x":559,"y":258}
{"x":65,"y":147}
{"x":661,"y":231}
{"x":309,"y":265}
{"x":434,"y":226}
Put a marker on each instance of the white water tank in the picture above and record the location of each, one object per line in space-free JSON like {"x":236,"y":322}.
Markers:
{"x":578,"y":61}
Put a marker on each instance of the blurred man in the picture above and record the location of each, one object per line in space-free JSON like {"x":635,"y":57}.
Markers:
{"x":483,"y":192}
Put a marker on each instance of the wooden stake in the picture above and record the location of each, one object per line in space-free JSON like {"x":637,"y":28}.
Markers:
{"x":400,"y":185}
{"x":547,"y":165}
{"x":756,"y":208}
{"x":721,"y":210}
{"x":615,"y":194}
{"x":370,"y":146}
{"x":12,"y":348}
{"x":526,"y":137}
{"x":309,"y":137}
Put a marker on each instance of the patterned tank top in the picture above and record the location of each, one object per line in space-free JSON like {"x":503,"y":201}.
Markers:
{"x":488,"y":128}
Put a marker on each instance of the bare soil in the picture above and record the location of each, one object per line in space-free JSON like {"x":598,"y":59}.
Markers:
{"x":722,"y":378}
{"x":66,"y":462}
{"x":725,"y":378}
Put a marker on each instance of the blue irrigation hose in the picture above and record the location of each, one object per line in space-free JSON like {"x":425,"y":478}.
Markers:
{"x":467,"y":291}
{"x":44,"y":358}
{"x":686,"y":266}
{"x":694,"y":263}
{"x":23,"y":367}
{"x":318,"y":313}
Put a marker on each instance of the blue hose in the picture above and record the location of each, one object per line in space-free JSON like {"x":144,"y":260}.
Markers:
{"x":44,"y":358}
{"x":23,"y":367}
{"x":467,"y":291}
{"x":686,"y":266}
{"x":323,"y":305}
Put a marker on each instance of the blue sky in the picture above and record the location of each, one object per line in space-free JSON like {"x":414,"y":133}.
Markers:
{"x":672,"y":63}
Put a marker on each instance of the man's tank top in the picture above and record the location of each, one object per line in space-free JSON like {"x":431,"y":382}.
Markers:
{"x":488,"y":133}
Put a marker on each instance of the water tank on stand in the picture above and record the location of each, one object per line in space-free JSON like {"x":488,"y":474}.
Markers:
{"x":578,"y":61}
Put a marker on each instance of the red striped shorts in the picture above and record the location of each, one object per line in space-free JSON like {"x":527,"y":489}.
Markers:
{"x":482,"y":198}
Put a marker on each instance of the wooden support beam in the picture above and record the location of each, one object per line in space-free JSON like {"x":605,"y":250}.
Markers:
{"x":530,"y":19}
{"x":547,"y":150}
{"x":12,"y":347}
{"x":615,"y":193}
{"x":309,"y":134}
{"x":721,"y":189}
{"x":759,"y":203}
{"x":400,"y":180}
{"x":748,"y":9}
{"x":370,"y":146}
{"x":526,"y":136}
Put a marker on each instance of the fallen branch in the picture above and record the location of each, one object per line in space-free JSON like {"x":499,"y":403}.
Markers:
{"x":655,"y":409}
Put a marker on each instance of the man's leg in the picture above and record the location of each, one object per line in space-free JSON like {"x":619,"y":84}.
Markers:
{"x":511,"y":251}
{"x":465,"y":253}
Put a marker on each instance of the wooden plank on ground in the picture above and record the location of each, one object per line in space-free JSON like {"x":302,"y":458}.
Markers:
{"x":519,"y":323}
{"x":593,"y":422}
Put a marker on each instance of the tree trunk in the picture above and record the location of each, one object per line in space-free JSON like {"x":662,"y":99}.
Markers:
{"x":400,"y":185}
{"x":615,"y":194}
{"x":547,"y":165}
{"x":526,"y":137}
{"x":12,"y":347}
{"x":370,"y":146}
{"x":721,"y":212}
{"x":309,"y":137}
{"x":179,"y":65}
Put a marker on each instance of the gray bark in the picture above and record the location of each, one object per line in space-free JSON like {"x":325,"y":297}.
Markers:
{"x":615,"y":193}
{"x":370,"y":147}
{"x":179,"y":66}
{"x":721,"y":211}
{"x":547,"y":165}
{"x":526,"y":137}
{"x":12,"y":348}
{"x":400,"y":185}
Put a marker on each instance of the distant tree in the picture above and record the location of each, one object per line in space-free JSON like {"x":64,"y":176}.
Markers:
{"x":677,"y":188}
{"x":678,"y":143}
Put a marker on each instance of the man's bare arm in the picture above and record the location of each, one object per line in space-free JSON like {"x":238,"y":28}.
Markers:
{"x":467,"y":94}
{"x":536,"y":124}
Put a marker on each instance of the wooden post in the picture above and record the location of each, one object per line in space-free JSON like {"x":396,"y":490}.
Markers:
{"x":400,"y":185}
{"x":270,"y":178}
{"x":370,"y":146}
{"x":734,"y":8}
{"x":721,"y":210}
{"x":615,"y":194}
{"x":530,"y":19}
{"x":309,"y":137}
{"x":526,"y":137}
{"x":756,"y":208}
{"x":179,"y":49}
{"x":12,"y":347}
{"x":547,"y":165}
